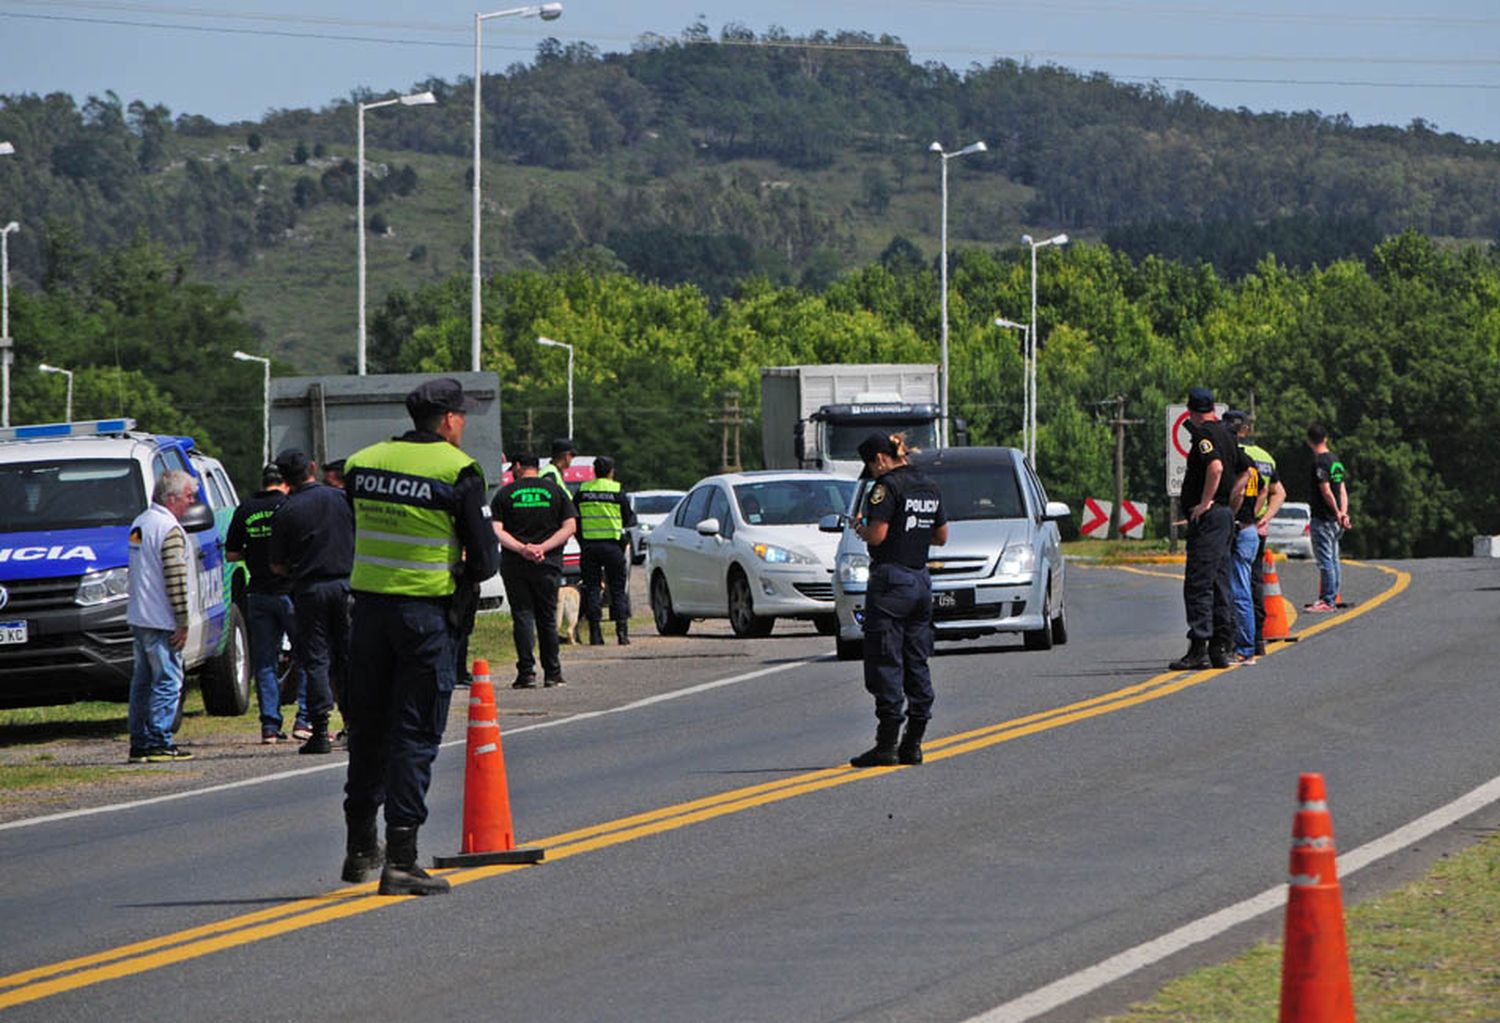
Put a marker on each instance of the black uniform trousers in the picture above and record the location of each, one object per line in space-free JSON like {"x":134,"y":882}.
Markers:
{"x":604,"y":561}
{"x":321,"y":608}
{"x":898,"y":641}
{"x":1205,"y":582}
{"x":1258,"y":595}
{"x":396,"y":703}
{"x":531,"y":590}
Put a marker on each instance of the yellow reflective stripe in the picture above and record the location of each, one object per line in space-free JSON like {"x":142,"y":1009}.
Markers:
{"x":415,"y":566}
{"x":426,"y":541}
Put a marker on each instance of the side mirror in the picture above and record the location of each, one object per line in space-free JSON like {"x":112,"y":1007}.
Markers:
{"x":832,"y":523}
{"x":799,"y":441}
{"x":960,"y":432}
{"x":708,"y":527}
{"x":1057,"y":511}
{"x":198,"y":518}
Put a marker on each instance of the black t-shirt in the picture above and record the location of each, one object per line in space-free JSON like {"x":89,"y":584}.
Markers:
{"x":1326,"y":468}
{"x":250,"y":535}
{"x":910,"y":503}
{"x":1262,"y":477}
{"x":531,"y":509}
{"x":313,"y":534}
{"x":1212,"y":442}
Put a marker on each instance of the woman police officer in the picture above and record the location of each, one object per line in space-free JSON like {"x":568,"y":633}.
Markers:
{"x":903,"y":516}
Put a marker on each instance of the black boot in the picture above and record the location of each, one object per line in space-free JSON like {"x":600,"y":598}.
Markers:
{"x":910,"y":750}
{"x":596,"y":634}
{"x":401,"y":875}
{"x":1218,"y":655}
{"x":319,"y":743}
{"x":622,"y":633}
{"x":883,"y":753}
{"x":1195,"y":658}
{"x":362,"y":849}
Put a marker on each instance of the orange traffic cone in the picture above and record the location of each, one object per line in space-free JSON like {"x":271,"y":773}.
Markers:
{"x":1315,"y":961}
{"x":1277,"y":629}
{"x":488,"y":834}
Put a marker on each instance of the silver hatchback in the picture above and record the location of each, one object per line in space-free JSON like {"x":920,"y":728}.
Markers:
{"x":1002,"y":569}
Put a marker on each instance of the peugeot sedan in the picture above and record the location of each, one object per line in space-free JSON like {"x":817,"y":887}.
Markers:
{"x":746,"y":546}
{"x":1002,"y":568}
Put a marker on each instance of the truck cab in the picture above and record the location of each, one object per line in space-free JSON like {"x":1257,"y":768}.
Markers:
{"x":68,"y":494}
{"x":835,"y":431}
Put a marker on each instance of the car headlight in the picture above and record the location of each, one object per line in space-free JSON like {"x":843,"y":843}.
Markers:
{"x":854,"y":568}
{"x":103,"y":587}
{"x":773,"y":555}
{"x":644,"y":527}
{"x":1018,"y":559}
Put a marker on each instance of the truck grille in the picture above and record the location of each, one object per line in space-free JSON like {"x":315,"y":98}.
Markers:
{"x":40,"y":594}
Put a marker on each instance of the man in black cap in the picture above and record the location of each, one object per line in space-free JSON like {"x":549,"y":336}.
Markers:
{"x":312,"y":543}
{"x":534,"y":517}
{"x":1211,"y":490}
{"x":268,"y":604}
{"x":604,"y":513}
{"x":422,"y":542}
{"x":562,"y":457}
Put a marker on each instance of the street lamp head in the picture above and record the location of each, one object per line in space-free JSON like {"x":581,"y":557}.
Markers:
{"x":247,"y":357}
{"x":50,"y":369}
{"x":973,"y":147}
{"x":1001,"y":321}
{"x":936,"y":147}
{"x":550,"y":12}
{"x":8,"y":228}
{"x":7,"y":148}
{"x":1058,"y":239}
{"x":1026,"y":239}
{"x":419,"y":99}
{"x":548,"y":342}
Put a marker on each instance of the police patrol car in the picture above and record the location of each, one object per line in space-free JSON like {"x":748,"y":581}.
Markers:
{"x":68,"y":494}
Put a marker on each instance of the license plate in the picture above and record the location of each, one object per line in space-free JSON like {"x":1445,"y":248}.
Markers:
{"x":944,"y":600}
{"x":12,"y":632}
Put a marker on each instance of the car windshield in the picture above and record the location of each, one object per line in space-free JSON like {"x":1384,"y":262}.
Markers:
{"x":844,"y":438}
{"x":792,"y":502}
{"x":654,"y":504}
{"x":971,"y":492}
{"x":71,"y":494}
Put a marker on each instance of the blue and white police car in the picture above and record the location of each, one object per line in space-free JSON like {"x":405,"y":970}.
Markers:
{"x":68,"y":494}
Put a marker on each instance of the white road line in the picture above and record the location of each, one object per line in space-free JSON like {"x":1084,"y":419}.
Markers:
{"x":1086,"y":981}
{"x":339,"y":763}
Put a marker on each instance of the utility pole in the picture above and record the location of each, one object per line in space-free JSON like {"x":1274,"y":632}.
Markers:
{"x":732,"y":417}
{"x":1119,"y":422}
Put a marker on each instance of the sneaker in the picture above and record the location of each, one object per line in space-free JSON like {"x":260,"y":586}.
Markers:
{"x":1242,"y":660}
{"x":164,"y":755}
{"x":137,"y":755}
{"x":316,"y":745}
{"x":552,"y":682}
{"x":1319,"y":607}
{"x":271,"y":736}
{"x":524,"y":682}
{"x":302,"y":731}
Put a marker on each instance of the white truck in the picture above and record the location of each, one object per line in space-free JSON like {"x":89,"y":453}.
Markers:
{"x":814,"y":417}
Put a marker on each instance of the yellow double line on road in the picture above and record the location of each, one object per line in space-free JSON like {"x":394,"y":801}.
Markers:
{"x":155,"y":953}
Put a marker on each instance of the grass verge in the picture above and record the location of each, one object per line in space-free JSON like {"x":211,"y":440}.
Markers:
{"x":1423,"y":953}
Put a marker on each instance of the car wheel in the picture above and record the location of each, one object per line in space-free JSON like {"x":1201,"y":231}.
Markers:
{"x":668,"y":622}
{"x":1060,"y":627}
{"x":1040,"y":639}
{"x":849,"y":649}
{"x":742,"y":617}
{"x":225,"y":679}
{"x":827,"y":625}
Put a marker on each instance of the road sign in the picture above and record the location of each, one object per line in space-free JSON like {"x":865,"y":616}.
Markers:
{"x":1096,"y":519}
{"x":1179,"y":439}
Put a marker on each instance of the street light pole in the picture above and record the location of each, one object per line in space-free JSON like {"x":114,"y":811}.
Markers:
{"x":265,"y":444}
{"x":547,"y":12}
{"x":6,"y":355}
{"x":68,"y":408}
{"x":1032,"y":343}
{"x":1001,"y":321}
{"x":548,"y":342}
{"x":937,"y":147}
{"x":417,"y":99}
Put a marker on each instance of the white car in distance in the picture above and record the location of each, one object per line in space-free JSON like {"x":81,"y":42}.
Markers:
{"x":746,"y":546}
{"x":651,"y":508}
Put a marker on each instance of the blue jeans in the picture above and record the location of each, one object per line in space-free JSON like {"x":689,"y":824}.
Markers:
{"x":1241,"y":569}
{"x":271,"y":617}
{"x":155,"y":688}
{"x":1325,"y":544}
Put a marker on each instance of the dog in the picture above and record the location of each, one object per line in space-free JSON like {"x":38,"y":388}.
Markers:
{"x":569,"y":601}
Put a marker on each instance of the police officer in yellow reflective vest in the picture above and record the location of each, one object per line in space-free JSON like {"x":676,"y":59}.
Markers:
{"x":422,"y":533}
{"x":604,"y":513}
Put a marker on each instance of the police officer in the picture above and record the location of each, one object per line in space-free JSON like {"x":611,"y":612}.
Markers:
{"x":903,"y":516}
{"x":534,"y":516}
{"x":562,"y":458}
{"x":422,"y":532}
{"x":1217,"y":473}
{"x":604,"y":513}
{"x":312,"y":542}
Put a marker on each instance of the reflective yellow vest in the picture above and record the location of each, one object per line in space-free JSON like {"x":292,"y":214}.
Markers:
{"x":404,"y":507}
{"x":599,"y":520}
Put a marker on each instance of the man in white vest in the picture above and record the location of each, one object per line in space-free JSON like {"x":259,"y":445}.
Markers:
{"x":160,"y":568}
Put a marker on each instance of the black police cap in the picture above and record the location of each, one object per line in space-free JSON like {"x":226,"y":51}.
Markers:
{"x":526,"y":459}
{"x":562,"y":446}
{"x":293,"y":463}
{"x":1200,"y":399}
{"x":441,"y":395}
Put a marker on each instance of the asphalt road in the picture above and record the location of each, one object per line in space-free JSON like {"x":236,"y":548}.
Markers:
{"x":709,"y":858}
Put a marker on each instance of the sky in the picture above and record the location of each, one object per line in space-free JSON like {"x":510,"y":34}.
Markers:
{"x":1379,"y":61}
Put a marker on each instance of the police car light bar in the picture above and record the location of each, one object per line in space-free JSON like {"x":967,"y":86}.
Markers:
{"x":84,"y":428}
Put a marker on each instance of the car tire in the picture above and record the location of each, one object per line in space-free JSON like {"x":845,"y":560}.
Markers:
{"x":849,"y":649}
{"x":225,"y":678}
{"x":827,"y":625}
{"x":1040,"y":639}
{"x":668,"y":622}
{"x":1060,"y":627}
{"x":742,"y":617}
